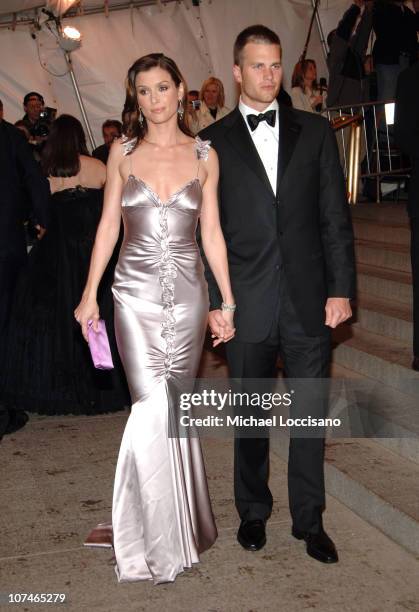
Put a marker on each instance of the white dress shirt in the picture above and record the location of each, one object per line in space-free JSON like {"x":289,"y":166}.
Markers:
{"x":265,"y":139}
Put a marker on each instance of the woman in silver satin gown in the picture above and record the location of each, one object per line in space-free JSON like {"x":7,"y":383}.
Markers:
{"x":161,"y":514}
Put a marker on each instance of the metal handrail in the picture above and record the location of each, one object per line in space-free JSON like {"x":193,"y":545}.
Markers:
{"x":375,"y":141}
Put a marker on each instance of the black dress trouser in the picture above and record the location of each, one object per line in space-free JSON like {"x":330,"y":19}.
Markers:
{"x":9,"y":272}
{"x":303,"y":356}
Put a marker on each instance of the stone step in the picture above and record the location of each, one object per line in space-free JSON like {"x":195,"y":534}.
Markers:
{"x":377,"y":484}
{"x":390,"y":233}
{"x":383,"y":283}
{"x":393,"y":424}
{"x":392,"y":257}
{"x":384,"y":317}
{"x":384,"y":212}
{"x":386,"y":360}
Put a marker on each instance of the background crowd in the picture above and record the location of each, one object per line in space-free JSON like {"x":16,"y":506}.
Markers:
{"x":52,"y":194}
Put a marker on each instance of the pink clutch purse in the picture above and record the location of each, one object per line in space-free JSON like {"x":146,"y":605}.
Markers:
{"x":99,"y":346}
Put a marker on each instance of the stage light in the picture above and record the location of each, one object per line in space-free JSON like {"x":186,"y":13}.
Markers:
{"x":69,"y":39}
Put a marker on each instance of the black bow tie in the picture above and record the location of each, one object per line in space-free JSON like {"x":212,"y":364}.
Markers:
{"x":254,"y":120}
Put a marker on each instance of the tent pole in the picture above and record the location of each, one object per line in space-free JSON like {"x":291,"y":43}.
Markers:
{"x":320,"y":29}
{"x":79,"y":99}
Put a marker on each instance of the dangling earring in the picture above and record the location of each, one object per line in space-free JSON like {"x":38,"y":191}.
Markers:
{"x":180,"y":109}
{"x":141,"y":118}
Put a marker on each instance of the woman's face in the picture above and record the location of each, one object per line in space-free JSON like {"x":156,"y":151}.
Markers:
{"x":157,"y":94}
{"x":310,"y":74}
{"x":211,"y":95}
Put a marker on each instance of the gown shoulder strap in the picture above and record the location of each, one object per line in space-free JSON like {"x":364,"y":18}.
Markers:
{"x":128,"y":144}
{"x":202,"y":148}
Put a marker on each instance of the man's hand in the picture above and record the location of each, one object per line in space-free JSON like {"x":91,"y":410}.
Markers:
{"x":220,"y":328}
{"x":41,"y":231}
{"x":338,"y":310}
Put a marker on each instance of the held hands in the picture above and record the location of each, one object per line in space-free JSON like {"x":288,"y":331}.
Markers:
{"x":87,"y":310}
{"x":221,"y":324}
{"x":338,"y":310}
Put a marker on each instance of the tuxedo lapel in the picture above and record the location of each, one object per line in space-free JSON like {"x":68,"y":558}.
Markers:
{"x":239,"y":137}
{"x":289,"y":132}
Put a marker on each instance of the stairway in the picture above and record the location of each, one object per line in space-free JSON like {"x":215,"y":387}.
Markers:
{"x":377,"y":344}
{"x":378,"y":477}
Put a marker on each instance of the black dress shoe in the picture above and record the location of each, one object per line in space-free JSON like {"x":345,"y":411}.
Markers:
{"x":415,"y":364}
{"x":251,"y":534}
{"x":319,"y":545}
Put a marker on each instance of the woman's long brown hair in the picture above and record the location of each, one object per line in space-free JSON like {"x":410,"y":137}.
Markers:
{"x":62,"y":150}
{"x":297,"y":79}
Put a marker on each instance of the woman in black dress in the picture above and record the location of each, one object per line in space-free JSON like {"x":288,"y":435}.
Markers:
{"x":49,"y":368}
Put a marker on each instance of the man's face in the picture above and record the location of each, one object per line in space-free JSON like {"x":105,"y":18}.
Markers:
{"x":109,"y":135}
{"x":33,"y":108}
{"x":259,"y":74}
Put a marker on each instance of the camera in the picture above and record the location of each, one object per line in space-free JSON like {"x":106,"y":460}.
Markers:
{"x":42,"y":126}
{"x":196,"y":104}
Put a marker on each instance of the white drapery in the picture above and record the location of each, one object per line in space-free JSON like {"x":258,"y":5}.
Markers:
{"x":199,"y":39}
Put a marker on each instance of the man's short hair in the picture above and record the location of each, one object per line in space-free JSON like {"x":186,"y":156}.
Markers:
{"x":32,"y":94}
{"x":113,"y":123}
{"x":193,"y":92}
{"x":254,"y":34}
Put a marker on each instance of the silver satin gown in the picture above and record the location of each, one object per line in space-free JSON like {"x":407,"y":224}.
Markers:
{"x":161,"y":513}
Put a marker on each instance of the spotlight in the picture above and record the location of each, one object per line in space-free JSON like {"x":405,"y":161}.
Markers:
{"x":69,"y":39}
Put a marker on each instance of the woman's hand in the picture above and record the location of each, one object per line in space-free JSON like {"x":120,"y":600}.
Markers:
{"x":87,"y":310}
{"x":222,"y":326}
{"x":315,"y":100}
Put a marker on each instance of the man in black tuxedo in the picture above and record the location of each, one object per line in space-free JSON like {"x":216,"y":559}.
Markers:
{"x":21,"y":183}
{"x":288,"y":232}
{"x":407,"y":136}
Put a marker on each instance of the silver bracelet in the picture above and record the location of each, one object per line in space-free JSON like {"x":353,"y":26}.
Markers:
{"x":228,"y":307}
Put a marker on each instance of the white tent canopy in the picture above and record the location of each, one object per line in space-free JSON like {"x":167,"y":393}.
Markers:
{"x":200,"y":39}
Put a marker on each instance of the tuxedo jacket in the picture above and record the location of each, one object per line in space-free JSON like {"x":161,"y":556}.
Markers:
{"x":302,"y":234}
{"x":24,"y":191}
{"x":407,"y":129}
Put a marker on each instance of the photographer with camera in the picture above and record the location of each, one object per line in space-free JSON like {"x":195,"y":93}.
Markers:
{"x":37,"y":120}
